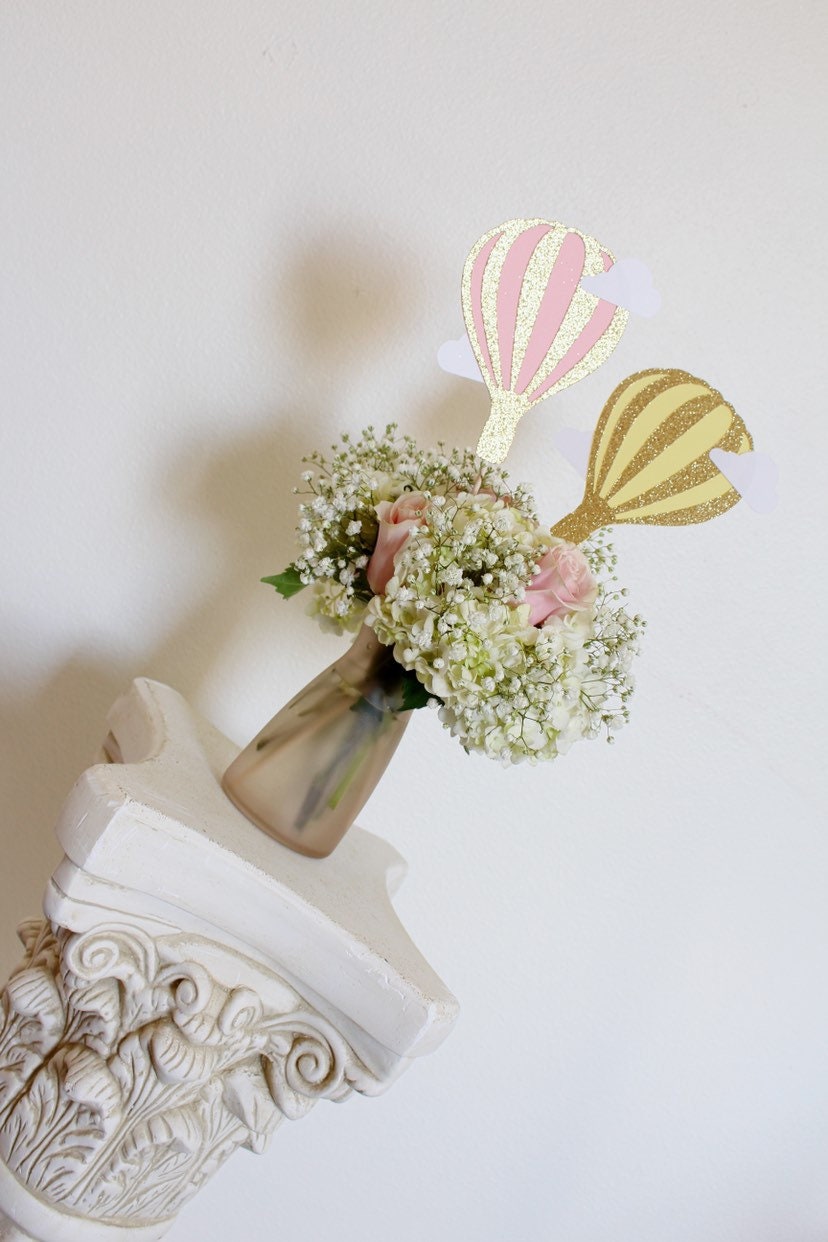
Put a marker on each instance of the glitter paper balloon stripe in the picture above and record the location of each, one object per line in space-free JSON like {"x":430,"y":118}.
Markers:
{"x":650,"y":456}
{"x":532,"y":327}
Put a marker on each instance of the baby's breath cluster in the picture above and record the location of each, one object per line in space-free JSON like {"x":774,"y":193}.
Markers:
{"x":453,"y":612}
{"x":454,"y":600}
{"x":338,"y":517}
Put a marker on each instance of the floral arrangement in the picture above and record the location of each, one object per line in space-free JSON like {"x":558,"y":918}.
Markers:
{"x":520,"y":639}
{"x":516,"y":633}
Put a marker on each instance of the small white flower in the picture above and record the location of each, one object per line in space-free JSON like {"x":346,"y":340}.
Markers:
{"x":453,"y":612}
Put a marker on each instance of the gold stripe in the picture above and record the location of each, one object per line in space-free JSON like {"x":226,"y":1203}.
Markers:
{"x":663,"y":435}
{"x":695,"y":472}
{"x":511,"y":227}
{"x":668,"y":478}
{"x":488,"y":297}
{"x":660,"y":422}
{"x":702,"y":469}
{"x":702,"y":436}
{"x":596,"y":355}
{"x":581,"y":310}
{"x":532,"y":290}
{"x":468,"y":310}
{"x":578,"y":315}
{"x":715,"y":495}
{"x":626,"y":402}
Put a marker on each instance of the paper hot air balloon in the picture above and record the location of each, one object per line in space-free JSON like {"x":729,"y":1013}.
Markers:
{"x":650,"y":457}
{"x":533,"y":328}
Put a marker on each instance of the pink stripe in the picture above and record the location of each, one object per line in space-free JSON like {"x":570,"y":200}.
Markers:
{"x":508,"y":294}
{"x":475,"y":291}
{"x":594,"y":330}
{"x":563,"y":281}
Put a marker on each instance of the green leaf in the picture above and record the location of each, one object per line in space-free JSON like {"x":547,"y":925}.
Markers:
{"x":287,"y":583}
{"x":414,"y":693}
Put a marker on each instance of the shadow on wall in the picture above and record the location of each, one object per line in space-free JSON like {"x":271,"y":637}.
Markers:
{"x":341,"y":308}
{"x":344,"y":305}
{"x":50,"y":736}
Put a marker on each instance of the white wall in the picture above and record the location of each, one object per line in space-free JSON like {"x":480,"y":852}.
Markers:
{"x":230,"y":230}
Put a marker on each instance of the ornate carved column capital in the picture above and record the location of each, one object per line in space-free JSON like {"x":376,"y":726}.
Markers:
{"x":193,"y":983}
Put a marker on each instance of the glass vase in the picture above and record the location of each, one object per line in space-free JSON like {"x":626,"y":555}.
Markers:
{"x":307,"y":775}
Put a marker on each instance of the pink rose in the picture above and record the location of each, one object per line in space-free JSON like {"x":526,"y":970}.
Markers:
{"x":397,"y":520}
{"x":565,"y":584}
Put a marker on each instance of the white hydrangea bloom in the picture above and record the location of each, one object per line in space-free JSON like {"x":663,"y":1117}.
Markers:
{"x":508,"y":689}
{"x":453,"y":610}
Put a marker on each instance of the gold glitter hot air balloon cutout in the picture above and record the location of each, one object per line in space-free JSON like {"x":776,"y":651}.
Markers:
{"x":649,"y":461}
{"x":533,"y":328}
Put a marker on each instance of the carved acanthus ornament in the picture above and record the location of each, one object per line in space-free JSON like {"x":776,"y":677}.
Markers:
{"x":194,"y":982}
{"x":127,"y":1076}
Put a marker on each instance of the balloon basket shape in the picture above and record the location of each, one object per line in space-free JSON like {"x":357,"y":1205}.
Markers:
{"x":306,"y":776}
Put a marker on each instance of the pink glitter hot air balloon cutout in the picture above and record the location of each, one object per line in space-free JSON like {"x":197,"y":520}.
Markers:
{"x":533,"y":328}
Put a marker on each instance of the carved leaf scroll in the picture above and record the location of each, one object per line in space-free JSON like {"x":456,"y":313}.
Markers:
{"x":126,"y":1080}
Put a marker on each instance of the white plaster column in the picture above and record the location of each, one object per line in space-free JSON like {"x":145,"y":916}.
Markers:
{"x":192,"y":983}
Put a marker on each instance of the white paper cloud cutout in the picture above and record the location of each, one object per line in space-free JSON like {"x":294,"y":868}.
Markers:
{"x":457,"y":358}
{"x":628,"y":283}
{"x":754,"y":475}
{"x":573,"y":445}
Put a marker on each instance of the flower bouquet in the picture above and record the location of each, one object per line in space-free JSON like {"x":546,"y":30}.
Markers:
{"x":462,"y":600}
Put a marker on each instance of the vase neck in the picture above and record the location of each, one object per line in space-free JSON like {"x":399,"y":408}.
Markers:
{"x":365,"y":657}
